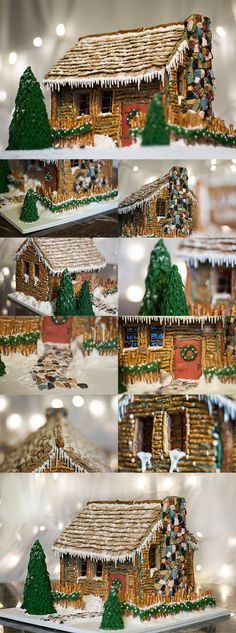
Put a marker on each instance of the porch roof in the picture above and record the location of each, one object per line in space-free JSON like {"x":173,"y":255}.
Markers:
{"x":111,"y":530}
{"x":75,"y":254}
{"x":123,"y":57}
{"x":217,"y":251}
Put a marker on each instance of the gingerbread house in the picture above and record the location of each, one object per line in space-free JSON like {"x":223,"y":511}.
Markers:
{"x":144,"y":544}
{"x":106,"y":80}
{"x":211,"y":273}
{"x":165,"y":207}
{"x":55,"y":447}
{"x":162,"y":433}
{"x":40,"y":263}
{"x":182,"y":347}
{"x":63,"y":184}
{"x":19,"y":334}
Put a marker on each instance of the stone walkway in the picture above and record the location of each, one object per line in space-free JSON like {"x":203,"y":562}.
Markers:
{"x":50,"y":372}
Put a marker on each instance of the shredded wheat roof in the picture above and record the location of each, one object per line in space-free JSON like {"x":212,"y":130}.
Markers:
{"x":120,"y":58}
{"x":214,"y":250}
{"x":146,"y":193}
{"x":77,"y":254}
{"x":110,"y":530}
{"x":56,"y":439}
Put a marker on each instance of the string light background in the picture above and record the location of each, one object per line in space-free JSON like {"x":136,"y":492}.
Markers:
{"x":48,"y":28}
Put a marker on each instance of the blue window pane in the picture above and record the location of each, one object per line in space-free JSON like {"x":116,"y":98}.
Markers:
{"x":156,"y":336}
{"x":131,"y":336}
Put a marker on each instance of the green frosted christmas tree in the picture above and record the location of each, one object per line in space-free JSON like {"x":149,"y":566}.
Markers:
{"x":29,"y":211}
{"x":29,"y":128}
{"x":156,"y":130}
{"x":174,"y":301}
{"x":112,"y":615}
{"x":4,"y":173}
{"x":66,"y":303}
{"x":37,"y":598}
{"x":84,"y":301}
{"x":2,"y":367}
{"x":158,"y":269}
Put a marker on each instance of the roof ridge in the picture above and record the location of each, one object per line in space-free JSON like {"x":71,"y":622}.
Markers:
{"x":140,"y":29}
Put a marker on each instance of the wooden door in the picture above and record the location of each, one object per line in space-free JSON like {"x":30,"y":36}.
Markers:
{"x":118,"y":576}
{"x":54,"y":333}
{"x":50,"y":177}
{"x":126,"y":108}
{"x":187,"y":369}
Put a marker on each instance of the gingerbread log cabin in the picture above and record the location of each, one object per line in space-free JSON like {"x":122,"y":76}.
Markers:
{"x":62,"y":184}
{"x":161,"y":433}
{"x":57,"y":446}
{"x":165,"y":207}
{"x":181,"y":347}
{"x":19,"y":334}
{"x":211,"y":272}
{"x":40,"y":263}
{"x":137,"y":552}
{"x":102,"y":84}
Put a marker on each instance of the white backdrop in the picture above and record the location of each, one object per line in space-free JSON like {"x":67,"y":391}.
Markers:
{"x":39,"y":506}
{"x":23,"y":20}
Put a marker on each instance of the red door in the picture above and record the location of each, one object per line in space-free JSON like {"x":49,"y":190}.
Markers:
{"x":56,"y":333}
{"x":126,"y":108}
{"x":122,"y":577}
{"x":187,"y":369}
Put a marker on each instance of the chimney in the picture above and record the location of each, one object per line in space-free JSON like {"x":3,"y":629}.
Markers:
{"x":199,"y":76}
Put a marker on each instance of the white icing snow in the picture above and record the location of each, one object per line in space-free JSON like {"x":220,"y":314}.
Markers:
{"x":145,"y":459}
{"x":220,"y":296}
{"x":175,"y":456}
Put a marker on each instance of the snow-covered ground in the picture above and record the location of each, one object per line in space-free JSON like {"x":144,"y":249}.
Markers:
{"x":103,"y":305}
{"x":75,"y":622}
{"x":97,"y":371}
{"x":184,"y":386}
{"x":177,"y":150}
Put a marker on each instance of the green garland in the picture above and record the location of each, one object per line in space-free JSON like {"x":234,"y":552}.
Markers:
{"x":60,"y":595}
{"x":75,"y":202}
{"x":220,"y":371}
{"x":132,"y":114}
{"x":59,"y":320}
{"x":188,"y":348}
{"x":159,"y":609}
{"x":72,"y":131}
{"x":28,"y":337}
{"x":91,"y":344}
{"x":193,"y":134}
{"x":137,"y":369}
{"x":110,"y":291}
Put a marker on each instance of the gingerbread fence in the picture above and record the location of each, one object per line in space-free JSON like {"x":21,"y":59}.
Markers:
{"x":72,"y":123}
{"x":67,"y":588}
{"x":57,"y":197}
{"x":15,"y":330}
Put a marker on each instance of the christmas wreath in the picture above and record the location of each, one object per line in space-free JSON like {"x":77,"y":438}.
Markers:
{"x":185,"y":352}
{"x":132,"y":114}
{"x":60,"y":320}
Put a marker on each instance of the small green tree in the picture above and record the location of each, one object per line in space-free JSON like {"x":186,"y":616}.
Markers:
{"x":158,"y":269}
{"x":37,"y":598}
{"x":4,"y":173}
{"x":156,"y":131}
{"x":66,"y":303}
{"x":112,"y":614}
{"x":29,"y":211}
{"x":29,"y":128}
{"x":174,"y":301}
{"x":2,"y":367}
{"x":84,"y":301}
